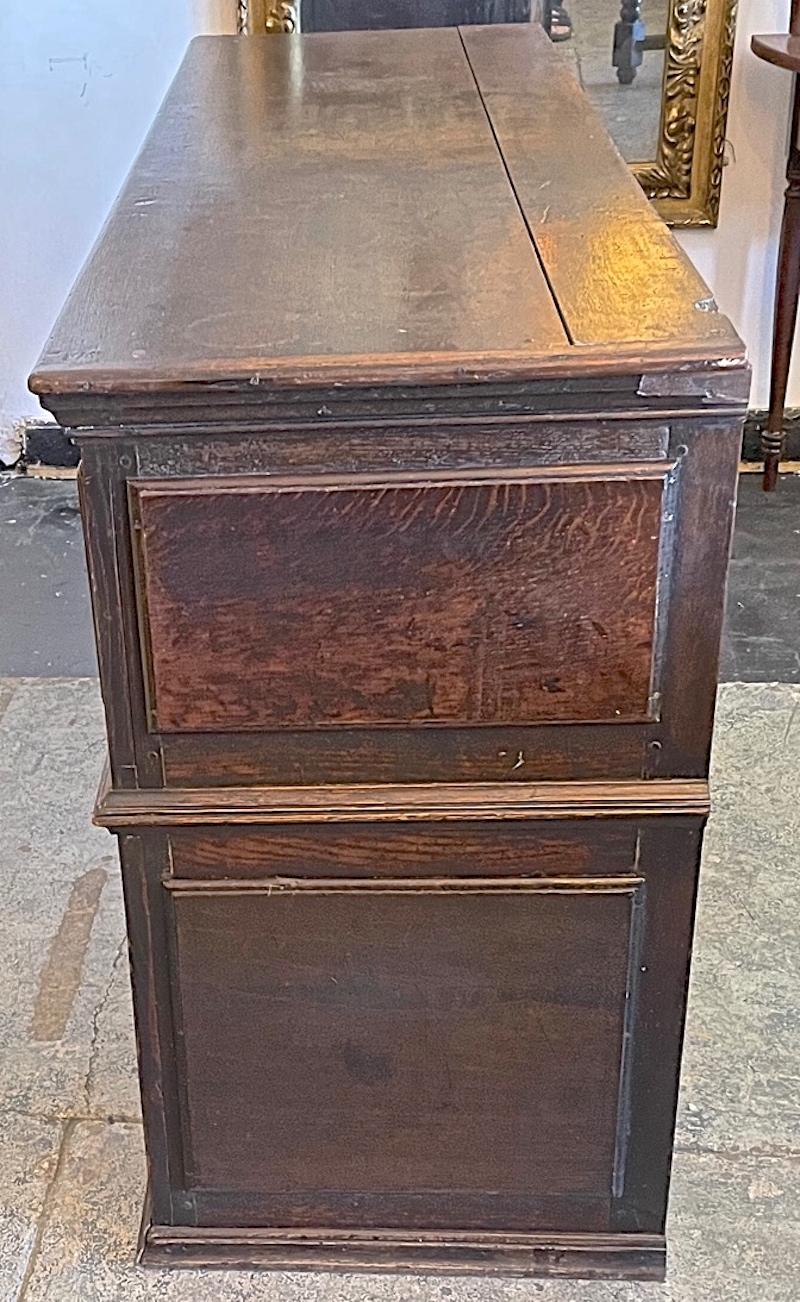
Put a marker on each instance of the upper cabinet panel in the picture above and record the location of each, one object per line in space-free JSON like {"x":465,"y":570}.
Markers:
{"x":469,"y":599}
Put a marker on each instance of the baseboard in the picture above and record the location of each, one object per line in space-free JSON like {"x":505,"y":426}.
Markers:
{"x":557,"y":1255}
{"x":48,"y":445}
{"x":756,"y":420}
{"x":40,"y":471}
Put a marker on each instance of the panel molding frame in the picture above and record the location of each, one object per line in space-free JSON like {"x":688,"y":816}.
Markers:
{"x":677,"y":746}
{"x":624,"y":884}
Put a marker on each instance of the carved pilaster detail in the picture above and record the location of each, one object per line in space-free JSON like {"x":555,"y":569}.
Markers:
{"x":721,"y":112}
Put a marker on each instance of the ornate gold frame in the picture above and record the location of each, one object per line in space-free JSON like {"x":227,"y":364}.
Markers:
{"x":267,"y":16}
{"x":685,"y":178}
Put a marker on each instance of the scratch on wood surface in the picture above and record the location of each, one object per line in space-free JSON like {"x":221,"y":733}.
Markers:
{"x":60,"y":977}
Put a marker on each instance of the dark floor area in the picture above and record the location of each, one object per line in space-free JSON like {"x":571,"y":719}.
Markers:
{"x":46,"y":629}
{"x":46,"y":626}
{"x":762,"y":626}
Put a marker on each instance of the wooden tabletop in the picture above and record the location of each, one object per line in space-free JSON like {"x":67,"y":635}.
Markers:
{"x":377,"y":206}
{"x":781,"y":49}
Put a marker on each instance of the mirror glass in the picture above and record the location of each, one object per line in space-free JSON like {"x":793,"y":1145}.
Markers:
{"x":594,"y":35}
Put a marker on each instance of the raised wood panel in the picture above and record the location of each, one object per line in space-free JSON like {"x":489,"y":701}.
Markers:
{"x":241,"y":976}
{"x":405,"y":1041}
{"x":519,"y":598}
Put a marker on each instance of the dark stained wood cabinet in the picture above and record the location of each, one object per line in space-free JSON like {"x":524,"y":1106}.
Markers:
{"x":407,"y":541}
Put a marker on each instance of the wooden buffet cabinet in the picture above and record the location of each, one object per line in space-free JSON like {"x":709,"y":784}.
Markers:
{"x":409,"y":443}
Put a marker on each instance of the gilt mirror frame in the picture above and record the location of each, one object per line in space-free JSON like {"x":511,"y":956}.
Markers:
{"x":685,"y":177}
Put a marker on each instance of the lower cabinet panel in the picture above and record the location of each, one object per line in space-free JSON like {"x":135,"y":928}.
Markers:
{"x":410,"y":1051}
{"x":422,"y":1043}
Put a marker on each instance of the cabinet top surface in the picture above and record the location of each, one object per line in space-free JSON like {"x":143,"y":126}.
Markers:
{"x":378,"y":208}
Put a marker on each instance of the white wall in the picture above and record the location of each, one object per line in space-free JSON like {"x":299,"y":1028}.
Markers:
{"x":738,"y":258}
{"x":80,"y":81}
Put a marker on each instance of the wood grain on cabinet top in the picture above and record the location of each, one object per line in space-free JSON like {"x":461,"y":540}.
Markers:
{"x":409,"y":207}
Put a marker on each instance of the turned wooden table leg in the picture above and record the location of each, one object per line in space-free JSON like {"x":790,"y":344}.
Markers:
{"x":786,"y":295}
{"x":627,"y":55}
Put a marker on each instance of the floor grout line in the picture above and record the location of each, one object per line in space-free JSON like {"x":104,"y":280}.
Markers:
{"x":6,"y":695}
{"x":96,"y":1015}
{"x":43,"y":1218}
{"x":59,"y":1118}
{"x":779,"y":1153}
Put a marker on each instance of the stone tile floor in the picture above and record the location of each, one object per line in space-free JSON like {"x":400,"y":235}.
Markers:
{"x":70,"y":1140}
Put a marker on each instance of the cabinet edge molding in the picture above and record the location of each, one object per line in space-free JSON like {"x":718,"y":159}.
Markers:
{"x":629,"y":1256}
{"x":430,"y":802}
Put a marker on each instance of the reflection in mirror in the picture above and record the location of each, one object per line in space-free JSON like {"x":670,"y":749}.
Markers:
{"x":658,"y":71}
{"x":618,"y":57}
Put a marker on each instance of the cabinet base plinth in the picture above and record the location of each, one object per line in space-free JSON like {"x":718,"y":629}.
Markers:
{"x":579,"y":1256}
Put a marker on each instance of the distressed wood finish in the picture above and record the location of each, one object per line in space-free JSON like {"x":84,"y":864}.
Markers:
{"x":417,"y":256}
{"x":277,"y":628}
{"x":588,"y":1256}
{"x":326,"y":602}
{"x":417,"y":445}
{"x":407,"y":550}
{"x":531,"y":982}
